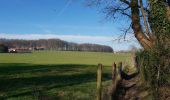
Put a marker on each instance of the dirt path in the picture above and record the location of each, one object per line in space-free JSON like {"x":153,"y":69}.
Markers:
{"x":130,"y":90}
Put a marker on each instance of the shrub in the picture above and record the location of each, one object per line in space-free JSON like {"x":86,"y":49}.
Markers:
{"x":3,"y":48}
{"x":154,"y":68}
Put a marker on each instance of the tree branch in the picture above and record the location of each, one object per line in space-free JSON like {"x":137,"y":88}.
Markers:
{"x":112,"y":10}
{"x":145,"y":20}
{"x":136,"y":26}
{"x":126,"y":31}
{"x":124,"y":36}
{"x":125,"y":1}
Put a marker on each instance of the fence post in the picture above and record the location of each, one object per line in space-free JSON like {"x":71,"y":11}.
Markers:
{"x":114,"y":73}
{"x":113,"y":86}
{"x":99,"y":82}
{"x":116,"y":78}
{"x":120,"y":69}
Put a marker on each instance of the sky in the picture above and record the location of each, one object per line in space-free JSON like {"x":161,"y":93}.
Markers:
{"x":68,"y":20}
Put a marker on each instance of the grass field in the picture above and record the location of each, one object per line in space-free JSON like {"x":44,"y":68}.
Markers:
{"x":54,"y":75}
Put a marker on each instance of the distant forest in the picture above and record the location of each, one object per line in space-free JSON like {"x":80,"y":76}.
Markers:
{"x":54,"y":44}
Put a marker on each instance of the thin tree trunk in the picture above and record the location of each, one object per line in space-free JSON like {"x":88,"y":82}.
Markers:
{"x":168,"y":12}
{"x":144,"y":18}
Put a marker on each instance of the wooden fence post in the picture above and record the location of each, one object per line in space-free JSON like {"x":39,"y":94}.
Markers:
{"x":116,"y":78}
{"x":114,"y":72}
{"x":99,"y":82}
{"x":120,"y":70}
{"x":113,"y":86}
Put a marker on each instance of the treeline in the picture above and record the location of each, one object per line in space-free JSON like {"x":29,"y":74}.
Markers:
{"x":3,"y":48}
{"x":54,"y":44}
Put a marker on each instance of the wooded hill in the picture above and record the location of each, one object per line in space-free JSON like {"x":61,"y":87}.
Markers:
{"x":54,"y":44}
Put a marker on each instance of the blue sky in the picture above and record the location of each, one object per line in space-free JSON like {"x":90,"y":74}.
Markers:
{"x":69,"y":20}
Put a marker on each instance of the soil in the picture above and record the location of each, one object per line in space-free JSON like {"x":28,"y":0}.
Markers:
{"x":131,"y":90}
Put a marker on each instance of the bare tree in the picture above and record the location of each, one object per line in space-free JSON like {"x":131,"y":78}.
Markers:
{"x":137,"y":12}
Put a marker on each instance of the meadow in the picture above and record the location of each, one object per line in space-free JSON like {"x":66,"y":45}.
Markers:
{"x":54,"y":75}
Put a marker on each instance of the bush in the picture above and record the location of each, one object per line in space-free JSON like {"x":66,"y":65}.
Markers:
{"x":3,"y":48}
{"x":154,"y":68}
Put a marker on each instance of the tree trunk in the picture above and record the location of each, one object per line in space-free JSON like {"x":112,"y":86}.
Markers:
{"x":136,"y":26}
{"x":168,"y":12}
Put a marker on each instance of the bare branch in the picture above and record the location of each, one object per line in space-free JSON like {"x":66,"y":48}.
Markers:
{"x":126,"y":30}
{"x":124,"y":36}
{"x":112,"y":11}
{"x":145,"y":20}
{"x":125,"y":1}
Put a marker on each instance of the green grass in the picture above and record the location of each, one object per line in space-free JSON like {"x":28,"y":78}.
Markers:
{"x":61,"y":57}
{"x":54,"y":75}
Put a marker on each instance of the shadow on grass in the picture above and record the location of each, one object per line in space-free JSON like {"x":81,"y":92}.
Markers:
{"x":19,"y":79}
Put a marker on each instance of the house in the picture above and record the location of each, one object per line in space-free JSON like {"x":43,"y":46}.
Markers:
{"x":39,"y":48}
{"x":12,"y":50}
{"x":19,"y":50}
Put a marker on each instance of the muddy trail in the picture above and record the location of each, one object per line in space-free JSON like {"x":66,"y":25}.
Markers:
{"x":130,"y":89}
{"x":126,"y":86}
